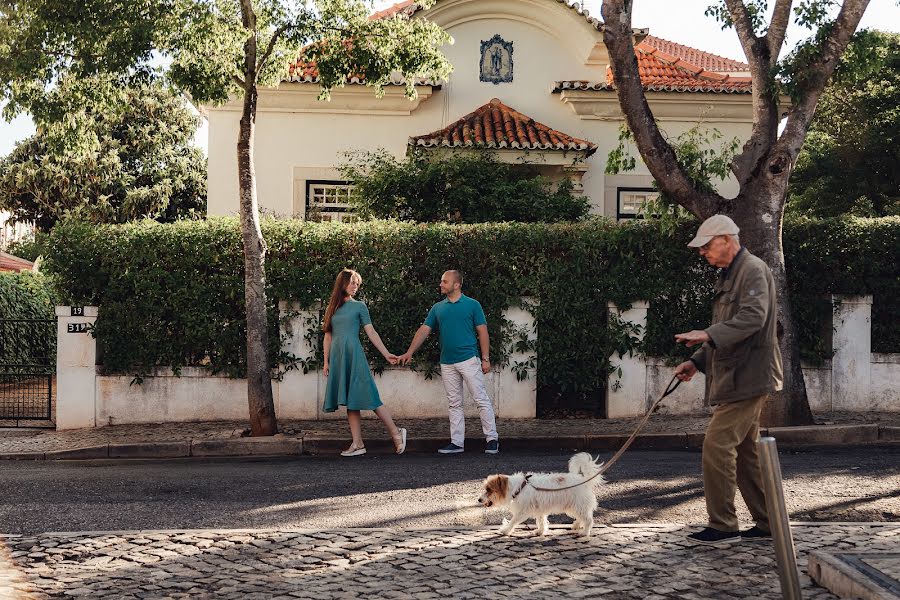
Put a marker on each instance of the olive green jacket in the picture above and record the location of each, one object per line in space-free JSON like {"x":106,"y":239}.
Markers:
{"x":743,"y":359}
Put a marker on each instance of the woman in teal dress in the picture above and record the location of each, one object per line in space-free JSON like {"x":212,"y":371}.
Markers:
{"x":350,"y":381}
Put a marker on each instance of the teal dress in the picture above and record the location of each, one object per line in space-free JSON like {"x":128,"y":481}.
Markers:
{"x":350,"y":382}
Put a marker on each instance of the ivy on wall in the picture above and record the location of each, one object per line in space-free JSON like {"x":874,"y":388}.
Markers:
{"x":172,"y":294}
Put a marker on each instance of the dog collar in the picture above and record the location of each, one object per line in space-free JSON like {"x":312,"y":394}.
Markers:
{"x":522,"y":486}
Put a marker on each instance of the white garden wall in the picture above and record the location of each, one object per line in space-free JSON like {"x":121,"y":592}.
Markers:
{"x":854,"y":380}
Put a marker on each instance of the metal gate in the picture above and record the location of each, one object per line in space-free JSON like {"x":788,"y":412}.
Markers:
{"x":27,"y":370}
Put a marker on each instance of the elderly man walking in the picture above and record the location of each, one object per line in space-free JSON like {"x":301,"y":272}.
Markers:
{"x":742,"y":362}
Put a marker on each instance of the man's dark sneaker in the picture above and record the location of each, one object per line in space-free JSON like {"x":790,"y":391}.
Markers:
{"x":451,"y":449}
{"x":755,"y":533}
{"x":493,"y":447}
{"x":714,"y":537}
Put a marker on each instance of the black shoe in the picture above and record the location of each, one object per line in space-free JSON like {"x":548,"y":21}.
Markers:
{"x":493,"y":447}
{"x":714,"y":537}
{"x":755,"y":533}
{"x":451,"y":449}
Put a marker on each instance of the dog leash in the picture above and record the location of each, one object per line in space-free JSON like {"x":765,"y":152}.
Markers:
{"x":653,"y":408}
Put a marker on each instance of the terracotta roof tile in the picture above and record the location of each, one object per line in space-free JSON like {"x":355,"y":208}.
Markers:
{"x":662,"y":72}
{"x":496,"y":125}
{"x":8,"y":262}
{"x":703,"y":60}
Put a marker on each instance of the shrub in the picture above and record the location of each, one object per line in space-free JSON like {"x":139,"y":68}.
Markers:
{"x":457,"y":188}
{"x":25,"y":297}
{"x":172,"y":294}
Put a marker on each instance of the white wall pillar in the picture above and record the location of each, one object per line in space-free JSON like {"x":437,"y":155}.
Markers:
{"x":298,"y":396}
{"x":851,"y":366}
{"x":76,"y":371}
{"x":626,"y":395}
{"x":518,"y":399}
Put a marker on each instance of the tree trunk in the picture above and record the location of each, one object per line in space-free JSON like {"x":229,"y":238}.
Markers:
{"x":761,"y":227}
{"x":259,"y":381}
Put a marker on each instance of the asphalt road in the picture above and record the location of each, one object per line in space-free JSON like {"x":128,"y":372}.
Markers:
{"x":411,"y":491}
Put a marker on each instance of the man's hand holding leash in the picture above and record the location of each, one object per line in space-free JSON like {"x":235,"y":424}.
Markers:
{"x":686,"y":370}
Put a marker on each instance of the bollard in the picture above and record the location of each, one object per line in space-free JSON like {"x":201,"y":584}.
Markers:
{"x":778,"y":520}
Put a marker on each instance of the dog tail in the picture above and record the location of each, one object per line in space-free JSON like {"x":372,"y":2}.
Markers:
{"x":586,"y":465}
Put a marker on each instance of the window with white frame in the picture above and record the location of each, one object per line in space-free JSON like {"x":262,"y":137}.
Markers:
{"x":630,"y":200}
{"x":328,"y":200}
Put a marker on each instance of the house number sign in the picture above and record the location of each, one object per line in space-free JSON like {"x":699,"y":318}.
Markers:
{"x":78,"y":327}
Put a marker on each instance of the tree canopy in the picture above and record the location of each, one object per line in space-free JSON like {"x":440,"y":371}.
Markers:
{"x":850,"y":162}
{"x":130,"y":158}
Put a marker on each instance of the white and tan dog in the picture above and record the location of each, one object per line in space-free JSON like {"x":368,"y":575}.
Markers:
{"x":519,"y":492}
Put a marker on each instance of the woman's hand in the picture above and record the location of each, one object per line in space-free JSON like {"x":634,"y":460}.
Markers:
{"x":325,"y":369}
{"x":392,"y":358}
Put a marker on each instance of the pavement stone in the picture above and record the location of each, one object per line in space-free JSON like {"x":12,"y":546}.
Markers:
{"x":228,"y":438}
{"x":624,"y":561}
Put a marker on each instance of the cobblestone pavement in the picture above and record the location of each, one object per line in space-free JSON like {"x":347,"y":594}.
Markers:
{"x":34,"y":440}
{"x":643,"y":562}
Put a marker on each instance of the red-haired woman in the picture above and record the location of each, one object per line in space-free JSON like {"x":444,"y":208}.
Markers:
{"x":350,"y":381}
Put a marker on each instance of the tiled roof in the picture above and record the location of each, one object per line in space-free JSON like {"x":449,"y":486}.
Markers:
{"x":673,"y":51}
{"x":8,"y":262}
{"x":407,"y":6}
{"x":661,"y":72}
{"x":495,"y":125}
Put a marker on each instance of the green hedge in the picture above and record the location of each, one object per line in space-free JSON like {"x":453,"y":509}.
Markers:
{"x":25,"y":297}
{"x":172,"y":294}
{"x":844,"y":256}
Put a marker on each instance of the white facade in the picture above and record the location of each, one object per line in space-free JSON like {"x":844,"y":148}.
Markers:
{"x":300,"y":139}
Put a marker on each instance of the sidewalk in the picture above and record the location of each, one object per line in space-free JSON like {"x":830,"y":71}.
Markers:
{"x":639,"y":562}
{"x":176,"y":440}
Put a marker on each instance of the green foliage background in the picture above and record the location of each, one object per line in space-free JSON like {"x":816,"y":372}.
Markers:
{"x":23,"y":297}
{"x":132,"y":159}
{"x":456,"y":187}
{"x":172,"y":294}
{"x":850,"y":161}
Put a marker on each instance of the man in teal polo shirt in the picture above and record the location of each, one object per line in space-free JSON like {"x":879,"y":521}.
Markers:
{"x":464,"y":358}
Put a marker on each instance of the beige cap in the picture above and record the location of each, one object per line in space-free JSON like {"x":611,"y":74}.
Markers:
{"x":710,"y":228}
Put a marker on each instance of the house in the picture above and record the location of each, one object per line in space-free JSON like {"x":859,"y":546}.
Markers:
{"x":8,"y":262}
{"x":531,"y":80}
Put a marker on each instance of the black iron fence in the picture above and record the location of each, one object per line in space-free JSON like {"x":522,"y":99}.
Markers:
{"x":27,"y":370}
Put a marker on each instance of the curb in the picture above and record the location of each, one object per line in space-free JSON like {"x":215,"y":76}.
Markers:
{"x":786,"y":437}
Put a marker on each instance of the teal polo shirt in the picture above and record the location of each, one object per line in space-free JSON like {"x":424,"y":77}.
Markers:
{"x":456,"y":322}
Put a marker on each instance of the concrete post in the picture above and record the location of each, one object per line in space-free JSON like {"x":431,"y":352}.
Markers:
{"x":518,"y":399}
{"x":76,"y":371}
{"x":851,"y":366}
{"x":626,"y":395}
{"x":298,"y":394}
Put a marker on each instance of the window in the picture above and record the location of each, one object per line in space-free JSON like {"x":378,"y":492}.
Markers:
{"x":630,"y":200}
{"x":328,"y":201}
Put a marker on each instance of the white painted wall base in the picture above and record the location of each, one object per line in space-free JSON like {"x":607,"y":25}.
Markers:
{"x":87,"y":399}
{"x":854,"y":380}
